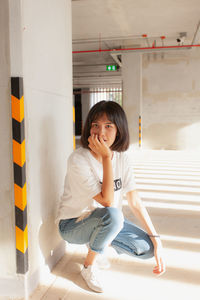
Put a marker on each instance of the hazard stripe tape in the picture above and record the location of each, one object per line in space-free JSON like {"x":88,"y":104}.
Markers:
{"x":140,"y":132}
{"x":19,"y":165}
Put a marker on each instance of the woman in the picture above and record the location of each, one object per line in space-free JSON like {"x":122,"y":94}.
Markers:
{"x":98,"y":175}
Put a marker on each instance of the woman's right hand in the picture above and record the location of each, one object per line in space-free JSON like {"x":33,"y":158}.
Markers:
{"x":102,"y":152}
{"x":99,"y":147}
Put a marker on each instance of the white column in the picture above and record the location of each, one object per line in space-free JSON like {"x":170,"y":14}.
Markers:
{"x":132,"y":93}
{"x":41,"y":51}
{"x":86,"y":103}
{"x":47,"y":69}
{"x":7,"y":218}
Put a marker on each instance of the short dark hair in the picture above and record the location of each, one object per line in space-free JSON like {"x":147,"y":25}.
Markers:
{"x":116,"y":115}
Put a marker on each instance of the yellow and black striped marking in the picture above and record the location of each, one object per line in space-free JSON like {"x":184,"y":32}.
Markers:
{"x":19,"y":162}
{"x":140,"y":131}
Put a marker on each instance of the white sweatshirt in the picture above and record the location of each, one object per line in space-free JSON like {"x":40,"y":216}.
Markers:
{"x":83,"y":182}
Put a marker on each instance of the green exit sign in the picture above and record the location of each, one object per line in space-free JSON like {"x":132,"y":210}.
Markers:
{"x":111,"y":68}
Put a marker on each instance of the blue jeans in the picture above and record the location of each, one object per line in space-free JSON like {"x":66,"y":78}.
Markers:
{"x":105,"y":226}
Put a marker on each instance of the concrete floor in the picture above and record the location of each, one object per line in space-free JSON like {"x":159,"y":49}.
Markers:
{"x":129,"y":278}
{"x":174,"y":206}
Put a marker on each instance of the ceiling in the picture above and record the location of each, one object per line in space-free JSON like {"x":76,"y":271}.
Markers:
{"x":118,"y":24}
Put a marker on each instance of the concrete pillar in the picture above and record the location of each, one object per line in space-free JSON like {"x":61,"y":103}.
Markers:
{"x":132,"y":93}
{"x":86,"y":103}
{"x":7,"y":221}
{"x":40,"y":52}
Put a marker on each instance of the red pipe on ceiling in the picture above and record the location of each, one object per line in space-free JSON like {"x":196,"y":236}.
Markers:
{"x":129,"y":49}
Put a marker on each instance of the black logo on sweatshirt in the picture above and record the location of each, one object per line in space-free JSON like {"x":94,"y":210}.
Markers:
{"x":117,"y":184}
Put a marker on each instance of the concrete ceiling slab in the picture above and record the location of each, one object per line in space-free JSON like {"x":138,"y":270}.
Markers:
{"x":107,"y":18}
{"x":115,"y":24}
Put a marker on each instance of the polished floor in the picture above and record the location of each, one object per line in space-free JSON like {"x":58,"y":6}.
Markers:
{"x":169,"y":184}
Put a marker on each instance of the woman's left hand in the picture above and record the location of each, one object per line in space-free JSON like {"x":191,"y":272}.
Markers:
{"x":160,"y":268}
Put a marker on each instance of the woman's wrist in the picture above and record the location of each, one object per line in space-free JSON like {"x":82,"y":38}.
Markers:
{"x":107,"y":155}
{"x":155,"y":238}
{"x":154,"y":235}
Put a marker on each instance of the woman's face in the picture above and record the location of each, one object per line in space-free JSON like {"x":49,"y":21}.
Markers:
{"x":104,"y":128}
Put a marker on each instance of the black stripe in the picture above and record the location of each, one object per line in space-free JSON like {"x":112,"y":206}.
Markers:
{"x":22,"y":261}
{"x":21,"y":217}
{"x":17,"y":87}
{"x":20,"y":175}
{"x":18,"y":130}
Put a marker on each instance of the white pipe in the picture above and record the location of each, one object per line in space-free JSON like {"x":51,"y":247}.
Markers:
{"x":118,"y":38}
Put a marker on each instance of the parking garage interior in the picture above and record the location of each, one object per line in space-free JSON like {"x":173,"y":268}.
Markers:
{"x":57,"y":56}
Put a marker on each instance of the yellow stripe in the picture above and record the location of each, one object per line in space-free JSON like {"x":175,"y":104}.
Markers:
{"x":74,"y":142}
{"x":20,"y":196}
{"x":19,"y":153}
{"x":17,"y":108}
{"x":73,"y":114}
{"x":21,"y":239}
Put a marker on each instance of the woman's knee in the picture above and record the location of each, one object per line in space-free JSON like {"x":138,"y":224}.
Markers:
{"x":114,"y":217}
{"x":146,"y":249}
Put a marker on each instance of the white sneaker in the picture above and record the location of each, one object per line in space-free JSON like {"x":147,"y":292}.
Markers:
{"x":90,"y":277}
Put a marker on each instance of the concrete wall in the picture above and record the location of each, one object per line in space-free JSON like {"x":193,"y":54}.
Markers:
{"x":168,"y":100}
{"x":7,"y":219}
{"x":171,"y":101}
{"x":46,"y":67}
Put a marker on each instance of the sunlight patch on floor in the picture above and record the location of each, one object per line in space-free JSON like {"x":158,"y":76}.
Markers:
{"x":181,"y":239}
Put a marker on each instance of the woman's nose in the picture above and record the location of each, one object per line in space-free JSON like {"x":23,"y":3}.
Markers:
{"x":101,"y":130}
